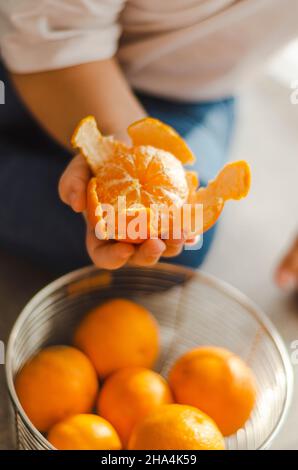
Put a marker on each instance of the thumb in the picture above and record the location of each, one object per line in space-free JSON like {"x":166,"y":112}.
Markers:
{"x":73,"y":183}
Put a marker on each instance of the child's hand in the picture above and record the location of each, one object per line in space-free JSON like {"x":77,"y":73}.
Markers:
{"x":287,"y":271}
{"x":108,"y":254}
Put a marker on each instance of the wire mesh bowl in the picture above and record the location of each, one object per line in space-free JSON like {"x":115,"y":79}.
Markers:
{"x":192,"y":309}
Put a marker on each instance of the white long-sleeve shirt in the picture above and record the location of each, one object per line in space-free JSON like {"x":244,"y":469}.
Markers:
{"x":185,"y":49}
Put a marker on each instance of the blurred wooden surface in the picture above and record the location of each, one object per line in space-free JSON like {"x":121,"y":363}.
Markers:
{"x":251,"y":237}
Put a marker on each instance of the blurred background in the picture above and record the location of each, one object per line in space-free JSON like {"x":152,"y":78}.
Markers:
{"x":250,"y":240}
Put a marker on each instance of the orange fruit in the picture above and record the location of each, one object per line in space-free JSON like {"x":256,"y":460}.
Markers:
{"x":144,"y":177}
{"x":57,"y":382}
{"x":218,"y":382}
{"x":129,"y":395}
{"x":176,"y":427}
{"x":84,"y":432}
{"x":117,"y":334}
{"x":142,"y":181}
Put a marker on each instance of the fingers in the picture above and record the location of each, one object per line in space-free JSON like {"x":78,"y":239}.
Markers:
{"x":148,"y":253}
{"x":287,"y":272}
{"x":73,"y":183}
{"x":173,"y":248}
{"x":193,"y":241}
{"x":107,"y":254}
{"x":114,"y":255}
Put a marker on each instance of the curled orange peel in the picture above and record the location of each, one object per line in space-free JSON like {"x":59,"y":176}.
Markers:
{"x":150,"y":131}
{"x":96,"y":148}
{"x":232,"y":182}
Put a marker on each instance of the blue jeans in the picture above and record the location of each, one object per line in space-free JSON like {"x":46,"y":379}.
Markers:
{"x":35,"y":224}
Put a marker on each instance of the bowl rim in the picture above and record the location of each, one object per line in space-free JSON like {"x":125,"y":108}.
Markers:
{"x":223,"y":286}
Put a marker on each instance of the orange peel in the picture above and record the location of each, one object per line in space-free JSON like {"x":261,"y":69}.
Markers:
{"x":96,"y":148}
{"x":150,"y":131}
{"x":232,"y":182}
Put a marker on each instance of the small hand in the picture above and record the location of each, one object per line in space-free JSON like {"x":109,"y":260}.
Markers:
{"x":287,"y":271}
{"x":108,"y":254}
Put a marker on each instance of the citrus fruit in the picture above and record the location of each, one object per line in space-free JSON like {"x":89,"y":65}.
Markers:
{"x":176,"y":427}
{"x":117,"y":334}
{"x":57,"y":382}
{"x":218,"y":382}
{"x":129,"y":395}
{"x":145,"y":181}
{"x":84,"y":432}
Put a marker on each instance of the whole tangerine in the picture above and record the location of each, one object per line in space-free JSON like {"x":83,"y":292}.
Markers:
{"x":119,"y":333}
{"x":218,"y":382}
{"x":57,"y":382}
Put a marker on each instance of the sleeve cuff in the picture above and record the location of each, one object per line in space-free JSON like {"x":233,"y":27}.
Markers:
{"x":75,"y":49}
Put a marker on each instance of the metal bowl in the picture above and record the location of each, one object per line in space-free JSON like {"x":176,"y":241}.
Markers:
{"x":192,"y":309}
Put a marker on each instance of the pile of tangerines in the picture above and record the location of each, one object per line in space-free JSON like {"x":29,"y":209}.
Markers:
{"x":102,"y":393}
